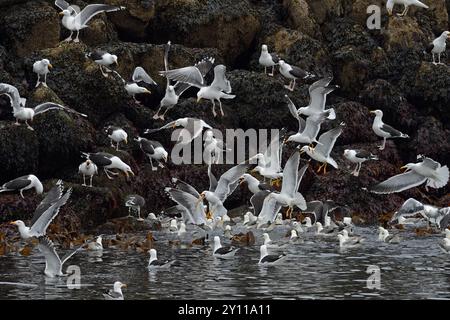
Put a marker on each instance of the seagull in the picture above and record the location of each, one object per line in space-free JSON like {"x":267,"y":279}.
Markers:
{"x":269,"y":163}
{"x":87,"y":168}
{"x":109,"y":161}
{"x":435,"y":215}
{"x":406,"y":3}
{"x":116,"y":293}
{"x":257,"y":201}
{"x":307,"y":223}
{"x":307,"y":130}
{"x":358,"y":157}
{"x":383,"y":235}
{"x":348,"y":242}
{"x":103,"y":59}
{"x":132,"y":87}
{"x":173,"y":227}
{"x":321,"y":152}
{"x":289,"y":195}
{"x":318,"y":92}
{"x":383,"y":130}
{"x":213,"y":148}
{"x":75,"y":20}
{"x":45,"y":213}
{"x":325,"y":231}
{"x":96,"y":245}
{"x":194,"y":76}
{"x":438,"y":46}
{"x":444,"y":244}
{"x":427,"y":171}
{"x":192,"y":213}
{"x":320,"y":210}
{"x":192,"y":128}
{"x":154,"y":263}
{"x":219,"y":190}
{"x":117,"y":135}
{"x":249,"y":219}
{"x":269,"y":259}
{"x":173,"y":92}
{"x":267,"y":59}
{"x":41,"y":68}
{"x":23,"y":183}
{"x":293,"y":73}
{"x":53,"y":263}
{"x":254,"y":185}
{"x":221,"y":252}
{"x":153,"y":150}
{"x":22,"y":113}
{"x":135,"y":202}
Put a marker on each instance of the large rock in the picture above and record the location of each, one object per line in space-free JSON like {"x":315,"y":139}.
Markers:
{"x":28,"y":27}
{"x":322,"y":10}
{"x":403,"y":33}
{"x":300,"y":17}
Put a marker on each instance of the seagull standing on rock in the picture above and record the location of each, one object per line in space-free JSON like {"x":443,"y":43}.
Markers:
{"x":438,"y":46}
{"x":383,"y":130}
{"x":153,"y":150}
{"x":23,"y":183}
{"x":293,"y":73}
{"x":109,"y":161}
{"x":75,"y":19}
{"x":87,"y":168}
{"x":41,"y":68}
{"x":103,"y":59}
{"x":116,"y":135}
{"x":268,"y":60}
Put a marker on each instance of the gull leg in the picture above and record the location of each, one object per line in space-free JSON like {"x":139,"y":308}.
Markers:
{"x":90,"y":184}
{"x":156,"y":115}
{"x":151,"y":163}
{"x":28,"y":126}
{"x":354,"y":171}
{"x":76,"y":39}
{"x":38,"y":80}
{"x":288,"y":86}
{"x":136,"y":100}
{"x":106,"y":172}
{"x":359,"y":168}
{"x":103,"y":73}
{"x":160,"y":165}
{"x":383,"y":145}
{"x":320,"y":168}
{"x":273,"y":71}
{"x":139,"y":214}
{"x":221,"y":110}
{"x":21,"y":193}
{"x":84,"y":181}
{"x":45,"y":80}
{"x":434,"y":59}
{"x":129,"y":211}
{"x":325,"y":168}
{"x":164,"y":114}
{"x":117,"y":146}
{"x":17,"y":122}
{"x":293,"y":85}
{"x":439,"y":58}
{"x":112,"y":144}
{"x":69,"y":38}
{"x":214,"y":108}
{"x":265,"y":70}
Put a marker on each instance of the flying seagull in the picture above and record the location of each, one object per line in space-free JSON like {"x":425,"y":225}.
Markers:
{"x":45,"y":213}
{"x":309,"y":129}
{"x":318,"y":92}
{"x":383,"y":130}
{"x":187,"y":200}
{"x":293,"y":73}
{"x":438,"y":46}
{"x":288,"y":196}
{"x":194,"y":76}
{"x":23,"y":183}
{"x":358,"y":157}
{"x":192,"y":128}
{"x":75,"y":19}
{"x":116,"y":292}
{"x":53,"y":263}
{"x":132,"y":87}
{"x":41,"y":68}
{"x":406,"y":3}
{"x":108,"y":161}
{"x":321,"y":152}
{"x":22,"y":113}
{"x":427,"y":171}
{"x":268,"y":60}
{"x":103,"y":59}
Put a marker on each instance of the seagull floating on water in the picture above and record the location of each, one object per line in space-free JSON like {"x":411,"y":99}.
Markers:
{"x":221,"y":252}
{"x":154,"y":263}
{"x":269,"y":259}
{"x":116,"y":292}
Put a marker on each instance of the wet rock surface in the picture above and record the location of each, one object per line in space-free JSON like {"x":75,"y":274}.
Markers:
{"x":376,"y":69}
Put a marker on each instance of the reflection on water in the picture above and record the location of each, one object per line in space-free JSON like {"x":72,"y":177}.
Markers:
{"x":413,"y":269}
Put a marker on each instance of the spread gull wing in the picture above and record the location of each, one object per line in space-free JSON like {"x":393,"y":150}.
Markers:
{"x":430,"y":163}
{"x":313,"y":124}
{"x":318,"y":97}
{"x":300,"y":175}
{"x":139,"y":75}
{"x":321,"y":83}
{"x":44,"y":107}
{"x":40,"y":226}
{"x":71,"y":253}
{"x":186,"y":187}
{"x":290,"y":175}
{"x":327,"y":141}
{"x":52,"y":261}
{"x":166,"y":59}
{"x":229,"y":181}
{"x":269,"y":210}
{"x":51,"y":197}
{"x":191,"y":203}
{"x":13,"y":95}
{"x":190,"y":75}
{"x":399,"y":183}
{"x":294,"y":112}
{"x":316,"y":208}
{"x":410,"y":206}
{"x":212,"y":179}
{"x":63,"y":5}
{"x":257,"y":201}
{"x":90,"y":11}
{"x":220,"y":81}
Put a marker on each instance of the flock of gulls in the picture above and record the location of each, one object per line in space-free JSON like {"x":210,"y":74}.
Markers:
{"x":204,"y":210}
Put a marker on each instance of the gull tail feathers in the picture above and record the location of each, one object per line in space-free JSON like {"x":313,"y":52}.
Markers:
{"x":441,"y":178}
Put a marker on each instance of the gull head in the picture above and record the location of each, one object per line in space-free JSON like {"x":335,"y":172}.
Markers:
{"x":408,"y":166}
{"x":127,"y":170}
{"x":377,"y":113}
{"x":294,"y":234}
{"x":201,"y":93}
{"x":446,"y":34}
{"x":306,"y":149}
{"x":118,"y":286}
{"x":281,"y":63}
{"x":65,"y":13}
{"x":266,"y":238}
{"x":46,"y":63}
{"x":307,"y":221}
{"x":264,"y":48}
{"x":153,"y":255}
{"x":347,"y":152}
{"x":18,"y":223}
{"x":114,"y":59}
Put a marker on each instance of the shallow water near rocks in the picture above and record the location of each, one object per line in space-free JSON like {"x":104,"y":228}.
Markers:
{"x":316,"y":269}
